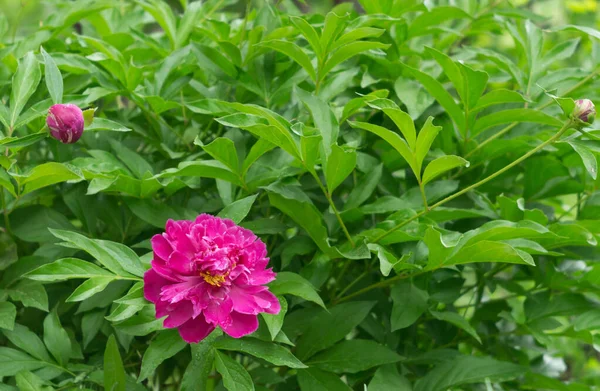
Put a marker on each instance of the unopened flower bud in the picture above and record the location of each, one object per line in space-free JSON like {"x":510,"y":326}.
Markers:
{"x":584,"y":111}
{"x":65,"y":122}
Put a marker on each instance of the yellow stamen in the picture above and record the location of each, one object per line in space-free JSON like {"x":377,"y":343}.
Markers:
{"x":213,"y":280}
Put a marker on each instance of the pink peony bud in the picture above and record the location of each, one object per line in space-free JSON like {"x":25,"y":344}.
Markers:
{"x":584,"y":111}
{"x":65,"y":123}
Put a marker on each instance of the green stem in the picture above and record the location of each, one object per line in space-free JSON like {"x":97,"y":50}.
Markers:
{"x":422,"y":189}
{"x":335,"y":211}
{"x":543,"y":145}
{"x":6,"y":219}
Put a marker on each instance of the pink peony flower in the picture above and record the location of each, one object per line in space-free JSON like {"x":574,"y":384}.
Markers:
{"x":65,"y":122}
{"x":207,"y":273}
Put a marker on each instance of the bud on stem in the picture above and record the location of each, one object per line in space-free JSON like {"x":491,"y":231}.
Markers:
{"x":65,"y":122}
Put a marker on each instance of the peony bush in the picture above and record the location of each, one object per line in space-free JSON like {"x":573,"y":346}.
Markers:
{"x":296,"y":195}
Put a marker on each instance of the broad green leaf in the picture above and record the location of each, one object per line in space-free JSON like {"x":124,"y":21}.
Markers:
{"x":203,"y":169}
{"x":364,"y":188}
{"x":437,"y":90}
{"x":587,"y":156}
{"x":334,"y":26}
{"x":441,"y":165}
{"x":196,"y":376}
{"x":340,"y":164}
{"x":91,"y":322}
{"x":8,"y":250}
{"x":68,"y":268}
{"x":514,"y":115}
{"x":458,"y":321}
{"x":497,"y":97}
{"x":309,"y":33}
{"x":116,"y":257}
{"x":427,"y":21}
{"x":134,"y":162}
{"x":323,"y":118}
{"x":53,"y":78}
{"x":392,"y":138}
{"x":224,"y":151}
{"x":89,"y":288}
{"x":8,"y":313}
{"x":274,"y":322}
{"x":410,"y":303}
{"x":387,"y":378}
{"x":347,"y":51}
{"x":475,"y":84}
{"x":452,"y":71}
{"x":24,"y":84}
{"x":260,"y":147}
{"x":320,"y":335}
{"x":467,"y":370}
{"x":56,"y":338}
{"x":167,"y":344}
{"x":163,"y":15}
{"x":238,"y":210}
{"x":427,"y":135}
{"x":114,"y":373}
{"x":27,"y":381}
{"x":487,"y":251}
{"x":28,"y":341}
{"x":13,"y":361}
{"x":103,"y":124}
{"x":589,"y":320}
{"x":355,"y":35}
{"x":293,"y":51}
{"x":314,"y":379}
{"x":187,"y":23}
{"x":294,"y":284}
{"x":48,"y":174}
{"x":30,"y":294}
{"x":353,"y":356}
{"x":268,"y":351}
{"x":235,"y":376}
{"x":212,"y":60}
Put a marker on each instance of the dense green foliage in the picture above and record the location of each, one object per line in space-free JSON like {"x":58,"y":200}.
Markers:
{"x":431,"y":211}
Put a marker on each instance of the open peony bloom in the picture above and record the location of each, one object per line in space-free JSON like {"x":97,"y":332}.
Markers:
{"x":207,"y":273}
{"x":65,"y":122}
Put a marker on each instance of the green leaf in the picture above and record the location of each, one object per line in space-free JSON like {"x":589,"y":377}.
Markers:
{"x":320,"y":334}
{"x":137,"y":164}
{"x":441,"y":165}
{"x":116,"y":257}
{"x":514,"y":115}
{"x":163,"y":14}
{"x":354,"y":356}
{"x":187,"y":23}
{"x":437,"y":90}
{"x":167,"y":344}
{"x":268,"y":351}
{"x":48,"y":174}
{"x":224,"y":151}
{"x":497,"y":97}
{"x":323,"y":118}
{"x":309,"y":33}
{"x":68,"y":268}
{"x":88,"y":117}
{"x":89,"y":288}
{"x":203,"y":169}
{"x":196,"y":376}
{"x":293,"y":51}
{"x":587,"y":156}
{"x":27,"y":381}
{"x":340,"y":164}
{"x":274,"y":322}
{"x":8,"y":250}
{"x":458,"y":321}
{"x":238,"y":210}
{"x":103,"y":124}
{"x":56,"y":338}
{"x":347,"y":51}
{"x":235,"y":377}
{"x":314,"y":379}
{"x":114,"y":373}
{"x":30,"y":294}
{"x":410,"y":303}
{"x":27,"y":340}
{"x":392,"y":138}
{"x":8,"y":313}
{"x":24,"y":84}
{"x":91,"y":322}
{"x":365,"y":187}
{"x":427,"y":21}
{"x":589,"y":320}
{"x":427,"y":135}
{"x":334,"y":26}
{"x":387,"y":378}
{"x":466,"y":370}
{"x":294,"y":284}
{"x":14,"y":361}
{"x":53,"y":78}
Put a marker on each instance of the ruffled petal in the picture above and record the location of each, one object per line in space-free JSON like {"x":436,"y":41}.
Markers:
{"x":195,"y":330}
{"x":181,"y":263}
{"x":179,"y":314}
{"x":161,"y":246}
{"x":153,"y":283}
{"x":241,"y":324}
{"x":268,"y":302}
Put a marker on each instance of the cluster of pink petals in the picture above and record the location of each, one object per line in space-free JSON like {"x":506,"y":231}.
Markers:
{"x":207,"y":273}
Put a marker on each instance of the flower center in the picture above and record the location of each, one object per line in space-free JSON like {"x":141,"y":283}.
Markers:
{"x":213,"y":280}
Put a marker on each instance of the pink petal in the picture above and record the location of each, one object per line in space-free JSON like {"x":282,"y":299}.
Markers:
{"x":261,"y":277}
{"x":180,"y":263}
{"x":195,"y":330}
{"x":180,"y":314}
{"x":243,"y":299}
{"x":163,"y":270}
{"x":268,"y":302}
{"x":217,"y":312}
{"x":161,"y":246}
{"x":241,"y":324}
{"x":153,"y":283}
